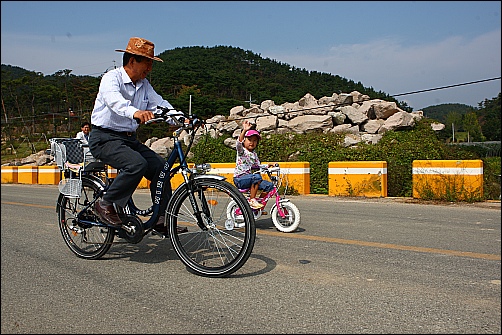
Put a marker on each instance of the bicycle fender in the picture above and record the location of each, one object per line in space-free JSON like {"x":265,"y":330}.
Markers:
{"x":199,"y":177}
{"x":210,"y":176}
{"x":280,"y":201}
{"x":95,"y":180}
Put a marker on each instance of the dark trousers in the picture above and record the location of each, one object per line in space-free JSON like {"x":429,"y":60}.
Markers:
{"x":132,"y":158}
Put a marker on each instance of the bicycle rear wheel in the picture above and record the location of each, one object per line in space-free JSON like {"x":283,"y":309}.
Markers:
{"x":218,"y":249}
{"x":84,"y":240}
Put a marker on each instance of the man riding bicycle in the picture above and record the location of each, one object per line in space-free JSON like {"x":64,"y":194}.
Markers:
{"x":126,"y":95}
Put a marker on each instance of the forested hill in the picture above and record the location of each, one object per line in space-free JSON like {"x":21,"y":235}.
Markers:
{"x":440,"y":112}
{"x":217,"y":78}
{"x":232,"y":75}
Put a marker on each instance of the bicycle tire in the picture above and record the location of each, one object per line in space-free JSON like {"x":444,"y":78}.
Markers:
{"x":216,"y":251}
{"x":237,"y":220}
{"x":84,"y":240}
{"x":291,"y":221}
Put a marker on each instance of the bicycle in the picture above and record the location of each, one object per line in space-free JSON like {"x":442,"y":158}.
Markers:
{"x":199,"y":203}
{"x":285,"y":214}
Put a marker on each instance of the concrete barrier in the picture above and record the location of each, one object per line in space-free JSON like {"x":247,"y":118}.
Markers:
{"x":297,"y":175}
{"x":9,"y":175}
{"x":366,"y":178}
{"x":223,"y":169}
{"x":144,"y":183}
{"x":49,"y":175}
{"x":452,"y":179}
{"x":448,"y":179}
{"x":27,"y":174}
{"x":112,"y":172}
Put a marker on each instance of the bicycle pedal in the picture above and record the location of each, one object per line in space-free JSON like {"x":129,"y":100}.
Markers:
{"x":264,"y":212}
{"x":161,"y":235}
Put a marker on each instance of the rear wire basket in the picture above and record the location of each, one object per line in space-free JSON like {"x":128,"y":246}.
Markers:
{"x":70,"y":187}
{"x":68,"y":150}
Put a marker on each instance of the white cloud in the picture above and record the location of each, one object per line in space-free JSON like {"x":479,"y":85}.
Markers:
{"x":396,"y":66}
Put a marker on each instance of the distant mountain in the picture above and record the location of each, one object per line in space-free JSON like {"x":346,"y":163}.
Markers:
{"x":439,"y":112}
{"x":230,"y":76}
{"x":14,"y":72}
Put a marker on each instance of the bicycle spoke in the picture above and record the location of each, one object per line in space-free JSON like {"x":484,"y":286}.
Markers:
{"x":85,"y":240}
{"x":214,"y":250}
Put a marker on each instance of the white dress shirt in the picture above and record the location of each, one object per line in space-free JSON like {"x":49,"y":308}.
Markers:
{"x":119,"y":98}
{"x":82,"y":137}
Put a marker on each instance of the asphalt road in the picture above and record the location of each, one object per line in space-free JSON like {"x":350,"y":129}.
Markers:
{"x":354,"y":266}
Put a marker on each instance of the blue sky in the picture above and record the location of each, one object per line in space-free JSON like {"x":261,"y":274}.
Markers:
{"x":392,"y":46}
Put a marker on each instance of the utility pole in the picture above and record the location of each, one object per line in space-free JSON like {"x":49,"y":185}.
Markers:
{"x":190,"y":107}
{"x":250,"y":100}
{"x":5,"y":112}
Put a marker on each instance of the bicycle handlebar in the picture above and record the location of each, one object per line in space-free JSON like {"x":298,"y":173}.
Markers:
{"x":264,"y":168}
{"x":274,"y":169}
{"x":178,"y":119}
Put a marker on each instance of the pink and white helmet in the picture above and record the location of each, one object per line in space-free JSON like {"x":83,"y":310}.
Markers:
{"x":252,"y":132}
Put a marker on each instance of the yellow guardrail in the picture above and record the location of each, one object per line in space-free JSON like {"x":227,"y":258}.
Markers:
{"x":431,"y":178}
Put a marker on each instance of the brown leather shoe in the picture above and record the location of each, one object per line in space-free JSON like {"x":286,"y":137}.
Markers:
{"x":160,"y":227}
{"x":108,"y":214}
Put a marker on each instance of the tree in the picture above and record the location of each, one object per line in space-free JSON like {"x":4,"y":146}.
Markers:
{"x":472,"y":127}
{"x":489,"y":118}
{"x":453,"y":123}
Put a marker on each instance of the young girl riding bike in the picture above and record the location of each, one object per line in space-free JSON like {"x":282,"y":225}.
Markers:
{"x":247,"y":160}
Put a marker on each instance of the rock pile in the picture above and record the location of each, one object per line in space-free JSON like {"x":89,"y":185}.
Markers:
{"x":360,"y":118}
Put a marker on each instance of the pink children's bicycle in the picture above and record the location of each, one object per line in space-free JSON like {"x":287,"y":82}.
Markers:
{"x":285,"y":214}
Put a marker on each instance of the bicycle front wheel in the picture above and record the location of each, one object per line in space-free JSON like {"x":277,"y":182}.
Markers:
{"x":291,"y":220}
{"x":218,"y":248}
{"x":84,"y":240}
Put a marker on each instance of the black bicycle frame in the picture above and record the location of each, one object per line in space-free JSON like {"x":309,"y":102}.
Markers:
{"x":163,"y":179}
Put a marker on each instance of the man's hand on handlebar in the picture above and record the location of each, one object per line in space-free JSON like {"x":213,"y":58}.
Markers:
{"x":143,"y":116}
{"x":171,"y":116}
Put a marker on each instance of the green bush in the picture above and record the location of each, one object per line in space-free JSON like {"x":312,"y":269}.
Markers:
{"x":210,"y":150}
{"x":491,"y":177}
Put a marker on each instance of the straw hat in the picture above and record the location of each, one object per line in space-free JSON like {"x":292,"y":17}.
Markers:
{"x":141,"y":47}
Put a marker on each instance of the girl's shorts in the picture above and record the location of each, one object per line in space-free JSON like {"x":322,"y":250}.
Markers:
{"x":247,"y":180}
